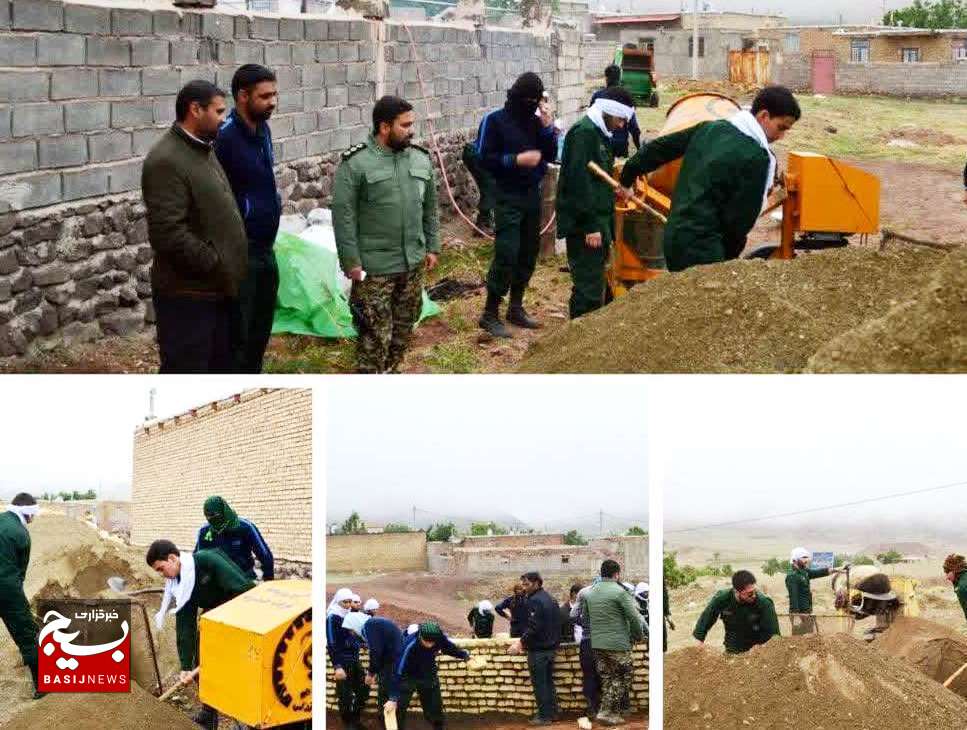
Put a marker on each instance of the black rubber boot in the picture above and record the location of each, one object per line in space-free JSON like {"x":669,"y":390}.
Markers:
{"x":206,"y":718}
{"x":516,"y":314}
{"x":490,"y":320}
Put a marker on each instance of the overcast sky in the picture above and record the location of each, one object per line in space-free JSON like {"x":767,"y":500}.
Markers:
{"x":75,"y":432}
{"x":746,"y":447}
{"x":540,"y":448}
{"x":797,"y":11}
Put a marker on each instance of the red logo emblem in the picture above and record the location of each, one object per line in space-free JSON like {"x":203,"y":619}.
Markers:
{"x":85,"y":646}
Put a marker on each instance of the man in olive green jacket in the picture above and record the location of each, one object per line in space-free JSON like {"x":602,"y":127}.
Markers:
{"x":14,"y":557}
{"x":195,"y":583}
{"x":749,"y":616}
{"x":800,"y":596}
{"x":955,"y":570}
{"x":197,"y":235}
{"x":616,"y":626}
{"x":727,"y":171}
{"x":387,"y":228}
{"x":585,"y":203}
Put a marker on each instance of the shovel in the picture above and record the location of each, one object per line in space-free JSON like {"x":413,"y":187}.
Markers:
{"x":117,"y":584}
{"x":179,"y":684}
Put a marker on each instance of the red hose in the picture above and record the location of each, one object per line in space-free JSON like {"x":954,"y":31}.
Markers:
{"x":436,"y":147}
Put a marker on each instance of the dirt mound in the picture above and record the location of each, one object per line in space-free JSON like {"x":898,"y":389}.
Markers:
{"x":743,"y":316}
{"x":925,"y":334}
{"x":71,"y":559}
{"x":403,"y":617}
{"x":827,"y":682}
{"x":135,"y":711}
{"x":933,"y":648}
{"x":931,"y":137}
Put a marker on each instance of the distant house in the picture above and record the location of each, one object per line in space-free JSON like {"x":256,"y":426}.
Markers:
{"x":900,"y":45}
{"x":640,"y":29}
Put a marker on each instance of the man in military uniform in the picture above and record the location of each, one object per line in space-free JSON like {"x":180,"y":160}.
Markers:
{"x":800,"y":597}
{"x":14,"y":557}
{"x":727,"y":171}
{"x":585,"y":203}
{"x":386,"y":222}
{"x":955,"y":569}
{"x":749,"y":616}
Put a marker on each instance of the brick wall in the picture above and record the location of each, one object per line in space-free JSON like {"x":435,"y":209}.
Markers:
{"x":511,"y":541}
{"x":504,"y":685}
{"x":598,"y":55}
{"x":254,"y":450}
{"x":372,"y":553}
{"x":85,"y":91}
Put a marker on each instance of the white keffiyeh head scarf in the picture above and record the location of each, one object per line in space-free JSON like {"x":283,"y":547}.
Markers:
{"x":746,"y":123}
{"x":177,"y":589}
{"x":612,"y":108}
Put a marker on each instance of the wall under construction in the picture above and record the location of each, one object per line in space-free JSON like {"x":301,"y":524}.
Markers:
{"x":504,"y":685}
{"x":370,"y":553}
{"x":85,"y":91}
{"x":255,"y":450}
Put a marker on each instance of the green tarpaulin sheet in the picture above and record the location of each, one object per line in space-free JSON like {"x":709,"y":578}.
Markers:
{"x":311,"y":301}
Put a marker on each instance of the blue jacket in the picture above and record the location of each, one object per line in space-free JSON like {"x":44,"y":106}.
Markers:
{"x":343,"y":645}
{"x":619,"y":138}
{"x":249,"y":162}
{"x":243,"y":545}
{"x":518,"y":614}
{"x":501,"y":138}
{"x":385,"y":642}
{"x":418,"y":662}
{"x":543,"y":624}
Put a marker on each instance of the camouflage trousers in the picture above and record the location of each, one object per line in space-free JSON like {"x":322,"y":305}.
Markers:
{"x":615,"y":669}
{"x":385,"y":311}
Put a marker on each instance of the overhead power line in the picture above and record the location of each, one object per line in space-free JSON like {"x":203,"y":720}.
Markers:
{"x":813,"y":510}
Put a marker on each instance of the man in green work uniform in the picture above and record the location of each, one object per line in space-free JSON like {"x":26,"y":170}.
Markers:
{"x":194,"y":582}
{"x":387,"y":228}
{"x":585,"y":203}
{"x":727,"y":171}
{"x":749,"y":616}
{"x":955,"y":569}
{"x":14,"y":557}
{"x":800,"y":597}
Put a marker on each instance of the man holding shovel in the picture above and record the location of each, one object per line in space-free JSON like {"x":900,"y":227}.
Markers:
{"x":14,"y":557}
{"x":385,"y":643}
{"x":194,"y":582}
{"x":585,"y":204}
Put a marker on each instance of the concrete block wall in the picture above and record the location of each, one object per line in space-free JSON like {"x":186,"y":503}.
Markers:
{"x":795,"y":71}
{"x":503,"y":685}
{"x":86,"y":90}
{"x":928,"y":80}
{"x":597,"y":57}
{"x":672,"y":58}
{"x":383,"y":552}
{"x":511,"y":541}
{"x":255,"y":450}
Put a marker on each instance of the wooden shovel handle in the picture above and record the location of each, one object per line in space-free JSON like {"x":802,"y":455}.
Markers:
{"x":596,"y":169}
{"x":179,"y":684}
{"x":954,"y":676}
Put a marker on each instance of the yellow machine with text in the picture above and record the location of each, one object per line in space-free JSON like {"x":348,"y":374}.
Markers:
{"x":823,"y":202}
{"x":256,"y":655}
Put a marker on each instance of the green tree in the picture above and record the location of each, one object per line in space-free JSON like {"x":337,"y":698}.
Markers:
{"x":890,"y":557}
{"x":353,"y":525}
{"x":637,"y":531}
{"x":574,"y":538}
{"x":773,"y":566}
{"x":441,"y":533}
{"x":677,"y":576}
{"x":932,"y":14}
{"x":397,"y":527}
{"x":486,"y":528}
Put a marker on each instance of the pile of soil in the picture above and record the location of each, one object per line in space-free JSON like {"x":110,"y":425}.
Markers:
{"x":934,"y":649}
{"x":72,"y":559}
{"x":927,"y":333}
{"x":819,"y":681}
{"x":137,"y":710}
{"x":762,"y":316}
{"x":932,"y":137}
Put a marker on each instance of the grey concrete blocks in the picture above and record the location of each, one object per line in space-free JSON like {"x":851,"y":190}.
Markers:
{"x":20,"y":156}
{"x":263,"y":28}
{"x":316,"y":29}
{"x":69,"y":150}
{"x":17,"y":50}
{"x":87,"y":116}
{"x":125,"y":22}
{"x":249,"y":52}
{"x":292,"y":29}
{"x":37,"y":15}
{"x":218,"y":26}
{"x":151,"y":52}
{"x":108,"y":52}
{"x":278,"y":54}
{"x":327,"y":52}
{"x":144,"y":139}
{"x":157,"y":81}
{"x":74,"y":83}
{"x":24,"y":86}
{"x":184,"y":52}
{"x":30,"y":120}
{"x":109,"y":146}
{"x":119,"y":82}
{"x":125,"y":177}
{"x":134,"y":113}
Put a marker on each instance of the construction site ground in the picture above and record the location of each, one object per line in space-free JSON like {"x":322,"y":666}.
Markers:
{"x":917,"y":149}
{"x":70,"y":558}
{"x":839,"y":672}
{"x":483,"y":722}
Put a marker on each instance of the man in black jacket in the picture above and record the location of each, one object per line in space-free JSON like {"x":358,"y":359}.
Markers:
{"x":514,"y":145}
{"x":540,"y":639}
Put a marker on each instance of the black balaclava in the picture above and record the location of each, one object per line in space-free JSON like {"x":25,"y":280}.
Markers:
{"x":524,"y":96}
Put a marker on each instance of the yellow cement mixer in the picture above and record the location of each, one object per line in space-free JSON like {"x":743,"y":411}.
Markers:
{"x":256,"y":655}
{"x":865,"y":591}
{"x":823,"y":201}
